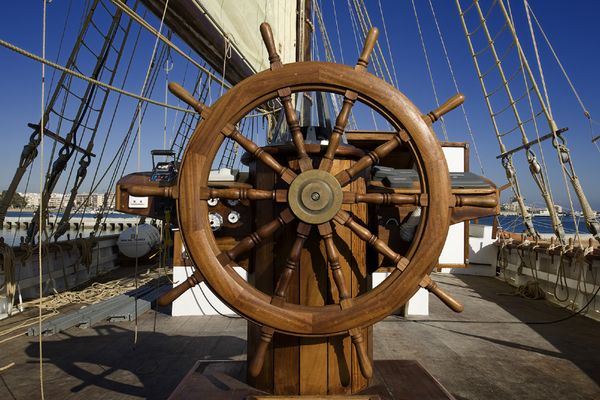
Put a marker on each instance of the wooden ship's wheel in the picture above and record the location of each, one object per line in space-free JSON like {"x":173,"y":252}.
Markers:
{"x":314,"y":191}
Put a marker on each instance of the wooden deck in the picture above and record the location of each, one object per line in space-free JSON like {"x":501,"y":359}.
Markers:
{"x":487,"y":352}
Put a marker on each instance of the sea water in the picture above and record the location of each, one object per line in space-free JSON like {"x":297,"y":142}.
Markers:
{"x":543,"y":224}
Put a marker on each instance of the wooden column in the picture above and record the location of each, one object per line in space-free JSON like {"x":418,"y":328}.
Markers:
{"x":308,"y":366}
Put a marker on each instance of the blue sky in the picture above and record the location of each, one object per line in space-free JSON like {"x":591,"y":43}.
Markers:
{"x":572,"y":29}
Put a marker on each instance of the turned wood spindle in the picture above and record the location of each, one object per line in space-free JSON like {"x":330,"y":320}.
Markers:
{"x":334,"y":261}
{"x":433,"y":287}
{"x":266,"y":333}
{"x":370,"y":41}
{"x":349,"y":99}
{"x":292,"y":120}
{"x":340,"y":124}
{"x":284,"y":172}
{"x":293,"y":260}
{"x":364,"y":361}
{"x":247,"y":243}
{"x":373,"y":157}
{"x":489,"y":201}
{"x":344,"y":218}
{"x":180,"y":289}
{"x":267,"y":35}
{"x":158,"y":191}
{"x":445,"y":108}
{"x":255,"y":365}
{"x":187,"y":97}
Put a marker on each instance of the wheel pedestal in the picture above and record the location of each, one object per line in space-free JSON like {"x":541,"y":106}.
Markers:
{"x":392,"y":380}
{"x":299,"y":365}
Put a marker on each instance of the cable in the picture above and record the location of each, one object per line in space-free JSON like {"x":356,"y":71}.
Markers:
{"x":40,"y":259}
{"x":44,"y":61}
{"x":435,"y":95}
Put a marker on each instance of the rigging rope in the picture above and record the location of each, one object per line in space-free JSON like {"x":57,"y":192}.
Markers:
{"x":545,"y":181}
{"x":40,"y":226}
{"x":451,"y":69}
{"x":387,"y":41}
{"x":562,"y":68}
{"x":559,"y":144}
{"x":435,"y":95}
{"x":355,"y":28}
{"x":79,"y":75}
{"x":151,"y":29}
{"x":109,"y":130}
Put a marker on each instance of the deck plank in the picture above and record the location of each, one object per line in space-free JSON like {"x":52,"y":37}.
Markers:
{"x":485,"y":352}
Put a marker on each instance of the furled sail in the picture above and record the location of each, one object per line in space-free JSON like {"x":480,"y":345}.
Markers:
{"x":219,"y":30}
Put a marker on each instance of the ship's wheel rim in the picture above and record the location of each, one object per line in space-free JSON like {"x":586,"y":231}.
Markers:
{"x":200,"y":241}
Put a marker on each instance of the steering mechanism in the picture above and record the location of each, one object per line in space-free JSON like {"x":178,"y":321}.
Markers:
{"x":314,"y":194}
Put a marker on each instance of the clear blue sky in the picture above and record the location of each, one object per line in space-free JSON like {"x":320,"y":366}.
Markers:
{"x":572,"y":28}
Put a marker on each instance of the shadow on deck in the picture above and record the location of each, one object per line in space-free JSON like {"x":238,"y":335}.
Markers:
{"x":501,"y":347}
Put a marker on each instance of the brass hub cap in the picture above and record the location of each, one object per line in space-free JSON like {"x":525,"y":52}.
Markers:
{"x":315,"y":196}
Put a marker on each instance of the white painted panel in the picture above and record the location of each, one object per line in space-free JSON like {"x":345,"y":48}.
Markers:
{"x":199,"y":300}
{"x":455,"y":157}
{"x":454,"y":248}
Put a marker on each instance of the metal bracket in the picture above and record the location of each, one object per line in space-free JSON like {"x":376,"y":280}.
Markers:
{"x":531,"y":143}
{"x":60,"y":139}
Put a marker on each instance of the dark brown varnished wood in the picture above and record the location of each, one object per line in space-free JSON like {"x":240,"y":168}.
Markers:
{"x":180,"y":289}
{"x":245,"y":97}
{"x":158,"y":191}
{"x":292,"y":263}
{"x":433,"y":287}
{"x":285,"y":173}
{"x":304,"y":161}
{"x":346,"y":219}
{"x":449,"y":105}
{"x":349,"y":99}
{"x":267,"y":35}
{"x":372,"y":157}
{"x":385,"y":198}
{"x":256,"y":362}
{"x":345,"y":298}
{"x":242,"y":193}
{"x":188,"y":98}
{"x":250,"y":241}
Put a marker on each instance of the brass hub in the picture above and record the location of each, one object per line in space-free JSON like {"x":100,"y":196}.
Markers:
{"x":315,"y":196}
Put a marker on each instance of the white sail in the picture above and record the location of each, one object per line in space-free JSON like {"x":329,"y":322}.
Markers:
{"x":238,"y":21}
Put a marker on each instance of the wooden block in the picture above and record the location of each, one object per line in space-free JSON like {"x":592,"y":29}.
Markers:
{"x":334,"y":397}
{"x":313,"y":287}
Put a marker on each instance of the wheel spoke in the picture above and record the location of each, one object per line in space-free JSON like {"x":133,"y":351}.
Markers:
{"x":292,"y":262}
{"x":345,"y":297}
{"x":180,"y":289}
{"x":267,"y":36}
{"x":336,"y":135}
{"x":286,"y":99}
{"x":334,"y":263}
{"x":386,"y":199}
{"x":372,"y":157}
{"x":344,"y":218}
{"x":242,"y":193}
{"x":292,"y":120}
{"x":250,"y":241}
{"x":431,"y":286}
{"x":349,"y":99}
{"x":285,"y":173}
{"x":256,"y":364}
